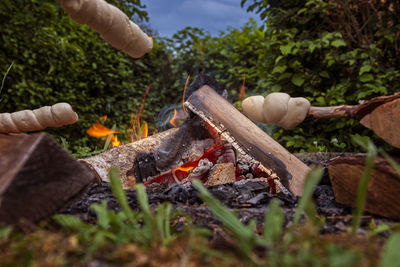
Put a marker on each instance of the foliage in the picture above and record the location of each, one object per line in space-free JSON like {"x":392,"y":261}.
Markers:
{"x":146,"y":237}
{"x":57,"y":60}
{"x":331,"y":52}
{"x":390,"y":255}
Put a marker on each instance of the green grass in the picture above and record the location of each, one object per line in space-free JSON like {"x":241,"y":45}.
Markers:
{"x":149,"y":237}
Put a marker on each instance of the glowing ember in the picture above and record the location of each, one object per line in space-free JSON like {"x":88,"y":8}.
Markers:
{"x":99,"y":130}
{"x":185,"y":169}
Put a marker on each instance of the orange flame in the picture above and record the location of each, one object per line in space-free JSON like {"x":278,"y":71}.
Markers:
{"x":115,"y":141}
{"x":172,"y":120}
{"x":145,"y":132}
{"x":135,"y":120}
{"x":99,"y":130}
{"x":242,"y":89}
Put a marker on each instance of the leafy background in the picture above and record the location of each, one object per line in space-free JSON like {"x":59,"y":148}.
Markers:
{"x":332,"y":52}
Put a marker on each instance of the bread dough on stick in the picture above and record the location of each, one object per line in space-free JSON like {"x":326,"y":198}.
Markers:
{"x":277,"y":108}
{"x":112,"y":24}
{"x":253,"y":108}
{"x":34,"y":120}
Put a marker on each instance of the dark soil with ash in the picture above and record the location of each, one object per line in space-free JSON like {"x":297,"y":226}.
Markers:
{"x":249,"y":198}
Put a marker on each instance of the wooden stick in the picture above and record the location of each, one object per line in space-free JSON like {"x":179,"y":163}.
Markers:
{"x":380,"y":114}
{"x":348,"y":111}
{"x":208,"y":104}
{"x":331,"y":112}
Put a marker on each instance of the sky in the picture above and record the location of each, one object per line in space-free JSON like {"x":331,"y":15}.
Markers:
{"x":169,"y":16}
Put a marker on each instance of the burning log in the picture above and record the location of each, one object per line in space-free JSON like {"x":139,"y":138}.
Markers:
{"x":383,"y":188}
{"x":125,"y":156}
{"x":247,"y":138}
{"x":38,"y":177}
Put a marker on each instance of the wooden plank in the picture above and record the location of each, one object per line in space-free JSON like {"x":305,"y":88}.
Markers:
{"x":383,"y":189}
{"x":37,"y":177}
{"x":251,"y":138}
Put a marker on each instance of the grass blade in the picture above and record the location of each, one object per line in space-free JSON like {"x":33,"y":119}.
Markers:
{"x":391,"y":255}
{"x":273,"y":222}
{"x":4,"y":78}
{"x":391,"y":161}
{"x":119,"y":193}
{"x":362,"y":189}
{"x":245,"y":235}
{"x":312,"y":180}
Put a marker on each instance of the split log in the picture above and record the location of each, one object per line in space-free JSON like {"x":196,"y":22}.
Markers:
{"x":385,"y":122}
{"x":38,"y":177}
{"x":383,"y":189}
{"x":213,"y":108}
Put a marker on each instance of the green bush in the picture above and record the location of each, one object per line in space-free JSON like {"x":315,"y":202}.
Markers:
{"x":58,"y":60}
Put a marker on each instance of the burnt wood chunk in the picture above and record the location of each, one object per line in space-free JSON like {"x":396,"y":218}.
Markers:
{"x":383,"y":188}
{"x":205,"y":102}
{"x":37,"y":177}
{"x":222,"y":173}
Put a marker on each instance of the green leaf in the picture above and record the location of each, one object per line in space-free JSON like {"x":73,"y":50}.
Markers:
{"x":5,"y":232}
{"x":365,"y":68}
{"x":324,"y":74}
{"x":102,"y":214}
{"x":286,"y":49}
{"x":298,"y":79}
{"x":279,"y":69}
{"x":391,"y":255}
{"x":338,"y":43}
{"x":69,"y":221}
{"x":366,"y":77}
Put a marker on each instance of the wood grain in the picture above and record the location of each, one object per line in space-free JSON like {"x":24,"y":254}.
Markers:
{"x":37,"y":177}
{"x":385,"y":122}
{"x":383,"y":188}
{"x":251,"y":138}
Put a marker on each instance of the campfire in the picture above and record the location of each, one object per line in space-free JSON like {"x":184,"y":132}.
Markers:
{"x":201,"y":148}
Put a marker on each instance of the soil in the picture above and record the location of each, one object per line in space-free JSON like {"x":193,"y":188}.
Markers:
{"x":249,"y":197}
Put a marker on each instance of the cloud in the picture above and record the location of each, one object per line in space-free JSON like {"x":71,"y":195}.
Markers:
{"x":213,"y":15}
